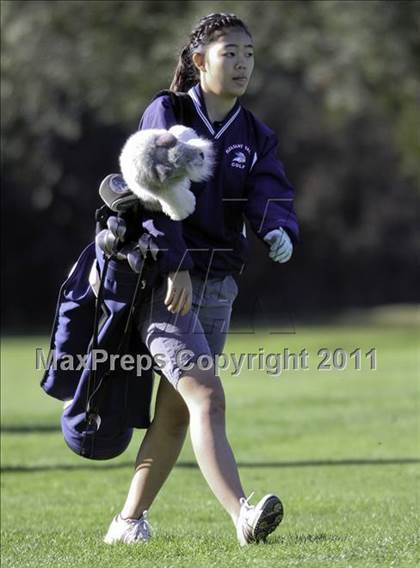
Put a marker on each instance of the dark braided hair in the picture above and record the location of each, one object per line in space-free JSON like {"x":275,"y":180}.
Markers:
{"x":207,"y":30}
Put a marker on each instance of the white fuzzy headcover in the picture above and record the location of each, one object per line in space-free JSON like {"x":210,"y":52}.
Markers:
{"x":158,"y":166}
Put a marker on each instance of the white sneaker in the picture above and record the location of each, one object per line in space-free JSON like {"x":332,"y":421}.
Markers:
{"x":256,"y":523}
{"x":129,"y":530}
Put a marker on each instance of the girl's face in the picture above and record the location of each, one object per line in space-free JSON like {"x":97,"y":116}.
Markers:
{"x":228,"y":64}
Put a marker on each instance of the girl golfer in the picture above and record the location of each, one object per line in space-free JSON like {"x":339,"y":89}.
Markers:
{"x":189,"y":314}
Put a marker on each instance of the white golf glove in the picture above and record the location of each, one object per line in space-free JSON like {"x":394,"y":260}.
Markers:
{"x":281,"y":246}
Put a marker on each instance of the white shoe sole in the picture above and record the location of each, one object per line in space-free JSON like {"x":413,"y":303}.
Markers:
{"x":271,"y":515}
{"x":115,"y":540}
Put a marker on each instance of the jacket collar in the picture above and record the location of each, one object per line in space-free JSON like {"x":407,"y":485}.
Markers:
{"x":196,"y":94}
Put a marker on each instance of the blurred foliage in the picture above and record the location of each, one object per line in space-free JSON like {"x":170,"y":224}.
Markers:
{"x":337,"y":80}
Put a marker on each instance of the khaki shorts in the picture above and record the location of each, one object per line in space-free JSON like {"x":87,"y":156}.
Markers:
{"x":176,"y":340}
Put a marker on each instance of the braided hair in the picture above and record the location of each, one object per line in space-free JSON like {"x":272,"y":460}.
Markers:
{"x":207,"y":30}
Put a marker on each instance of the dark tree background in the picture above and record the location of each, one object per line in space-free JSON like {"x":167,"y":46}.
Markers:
{"x":337,"y":80}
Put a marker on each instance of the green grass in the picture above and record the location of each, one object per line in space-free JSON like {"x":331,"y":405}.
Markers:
{"x":339,"y":447}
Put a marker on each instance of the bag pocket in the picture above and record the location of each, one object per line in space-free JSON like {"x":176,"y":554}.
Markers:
{"x":215,"y":291}
{"x":230,"y":288}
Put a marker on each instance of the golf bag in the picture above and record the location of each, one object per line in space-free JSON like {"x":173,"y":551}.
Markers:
{"x":95,"y":318}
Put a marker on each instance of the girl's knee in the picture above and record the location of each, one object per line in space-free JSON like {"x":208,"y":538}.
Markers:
{"x":203,"y":391}
{"x":171,"y":412}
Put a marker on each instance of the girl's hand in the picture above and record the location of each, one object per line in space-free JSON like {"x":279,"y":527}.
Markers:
{"x":281,"y":247}
{"x":179,"y":292}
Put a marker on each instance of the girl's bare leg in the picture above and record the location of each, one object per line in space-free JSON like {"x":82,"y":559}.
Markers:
{"x":203,"y":394}
{"x":200,"y":399}
{"x":159,"y":450}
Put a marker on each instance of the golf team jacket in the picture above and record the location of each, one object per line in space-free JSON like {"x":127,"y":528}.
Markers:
{"x":249,"y":182}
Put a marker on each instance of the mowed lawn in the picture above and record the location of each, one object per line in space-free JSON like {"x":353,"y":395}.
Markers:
{"x":339,"y":447}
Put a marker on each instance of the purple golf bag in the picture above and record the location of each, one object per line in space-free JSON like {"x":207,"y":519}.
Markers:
{"x":105,"y":403}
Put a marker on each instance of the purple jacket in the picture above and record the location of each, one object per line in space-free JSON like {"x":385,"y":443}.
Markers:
{"x":249,"y":182}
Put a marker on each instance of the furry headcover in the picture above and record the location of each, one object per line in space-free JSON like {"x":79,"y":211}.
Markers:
{"x":158,"y":166}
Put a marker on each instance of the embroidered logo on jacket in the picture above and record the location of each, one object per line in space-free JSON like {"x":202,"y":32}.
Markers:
{"x":240,"y":158}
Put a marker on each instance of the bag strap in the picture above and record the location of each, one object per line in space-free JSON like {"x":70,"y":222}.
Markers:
{"x":182,"y":105}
